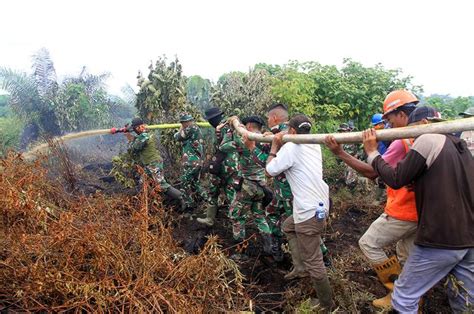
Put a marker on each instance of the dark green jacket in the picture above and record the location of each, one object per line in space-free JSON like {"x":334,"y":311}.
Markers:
{"x":144,"y":151}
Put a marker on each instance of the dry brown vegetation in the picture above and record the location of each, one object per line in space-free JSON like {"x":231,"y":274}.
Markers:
{"x":60,"y":252}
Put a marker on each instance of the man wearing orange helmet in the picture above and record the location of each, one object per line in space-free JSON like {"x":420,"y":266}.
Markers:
{"x":399,"y":221}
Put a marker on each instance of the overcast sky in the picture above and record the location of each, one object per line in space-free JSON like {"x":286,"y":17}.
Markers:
{"x":430,"y":40}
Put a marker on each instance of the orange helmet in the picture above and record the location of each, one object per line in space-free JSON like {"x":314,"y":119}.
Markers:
{"x":396,"y":99}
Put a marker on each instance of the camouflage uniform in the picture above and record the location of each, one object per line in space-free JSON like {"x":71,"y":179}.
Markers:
{"x":350,"y":175}
{"x":229,"y":174}
{"x":144,"y":153}
{"x":281,"y":206}
{"x":251,"y":192}
{"x":192,"y":159}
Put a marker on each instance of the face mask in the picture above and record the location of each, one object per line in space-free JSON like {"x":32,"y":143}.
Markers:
{"x":215,"y":121}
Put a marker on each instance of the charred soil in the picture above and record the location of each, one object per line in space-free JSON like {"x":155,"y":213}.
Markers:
{"x":354,"y":283}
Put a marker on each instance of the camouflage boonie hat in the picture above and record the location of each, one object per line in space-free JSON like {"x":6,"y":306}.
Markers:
{"x":468,"y":113}
{"x":185,"y":117}
{"x":344,"y":127}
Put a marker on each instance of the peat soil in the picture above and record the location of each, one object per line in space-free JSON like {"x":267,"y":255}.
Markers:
{"x":265,"y":284}
{"x":266,"y":288}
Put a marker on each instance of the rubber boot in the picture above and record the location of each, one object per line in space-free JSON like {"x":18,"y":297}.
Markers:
{"x":278,"y":254}
{"x":384,"y":303}
{"x":324,"y":292}
{"x":176,"y":195}
{"x":211,"y":212}
{"x":268,"y":243}
{"x":298,"y":266}
{"x":387,"y":272}
{"x":270,"y":246}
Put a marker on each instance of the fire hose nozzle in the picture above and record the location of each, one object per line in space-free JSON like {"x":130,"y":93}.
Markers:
{"x":125,"y":129}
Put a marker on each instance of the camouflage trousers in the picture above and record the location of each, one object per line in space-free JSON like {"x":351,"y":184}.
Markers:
{"x":155,"y":171}
{"x":350,"y":177}
{"x":216,"y":183}
{"x":277,"y":211}
{"x":191,"y":185}
{"x":248,"y":201}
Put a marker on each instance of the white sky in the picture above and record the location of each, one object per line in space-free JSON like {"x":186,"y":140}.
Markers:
{"x":430,"y":40}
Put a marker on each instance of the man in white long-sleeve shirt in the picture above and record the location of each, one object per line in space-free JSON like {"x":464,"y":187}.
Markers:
{"x":302,"y":165}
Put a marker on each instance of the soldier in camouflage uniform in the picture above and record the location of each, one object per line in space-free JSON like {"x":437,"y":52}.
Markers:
{"x":253,"y":191}
{"x":350,"y":175}
{"x":193,"y":152}
{"x":142,"y":148}
{"x":223,"y":169}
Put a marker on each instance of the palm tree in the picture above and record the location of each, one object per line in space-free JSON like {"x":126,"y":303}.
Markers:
{"x":32,"y":96}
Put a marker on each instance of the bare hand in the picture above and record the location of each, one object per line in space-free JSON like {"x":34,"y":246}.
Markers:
{"x":267,"y":133}
{"x":369,"y":138}
{"x":333,"y":145}
{"x":231,"y":120}
{"x":248,"y":143}
{"x":278,"y":140}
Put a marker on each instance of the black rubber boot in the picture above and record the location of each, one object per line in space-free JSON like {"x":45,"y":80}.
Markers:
{"x":271,"y":247}
{"x":176,"y":195}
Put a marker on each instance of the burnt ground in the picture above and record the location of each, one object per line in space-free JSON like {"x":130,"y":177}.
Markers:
{"x":354,"y":283}
{"x":349,"y":273}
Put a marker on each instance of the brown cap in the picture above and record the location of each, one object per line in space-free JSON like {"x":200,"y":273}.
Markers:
{"x":301,"y":124}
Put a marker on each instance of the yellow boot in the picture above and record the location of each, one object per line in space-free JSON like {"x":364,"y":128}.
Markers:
{"x":387,"y":272}
{"x":383,"y":303}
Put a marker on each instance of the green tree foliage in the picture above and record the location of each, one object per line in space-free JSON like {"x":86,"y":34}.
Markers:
{"x":4,"y":108}
{"x":161,"y":99}
{"x":162,"y":95}
{"x":243,"y":93}
{"x":78,"y":103}
{"x":32,"y":95}
{"x":331,"y":95}
{"x":449,"y":107}
{"x":198,"y":92}
{"x":10,"y":131}
{"x":83,"y":103}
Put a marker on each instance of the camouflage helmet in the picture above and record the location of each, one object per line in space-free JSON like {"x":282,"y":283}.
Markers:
{"x":468,"y":113}
{"x":185,"y":117}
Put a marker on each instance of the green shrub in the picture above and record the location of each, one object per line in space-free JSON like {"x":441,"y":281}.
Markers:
{"x":333,"y":170}
{"x":10,"y":132}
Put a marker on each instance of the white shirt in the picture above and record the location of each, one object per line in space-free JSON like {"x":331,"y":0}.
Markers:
{"x":303,"y":168}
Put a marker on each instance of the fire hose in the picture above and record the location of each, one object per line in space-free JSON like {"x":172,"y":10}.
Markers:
{"x":445,"y":127}
{"x":452,"y":126}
